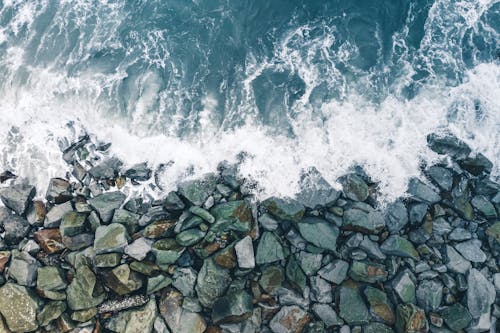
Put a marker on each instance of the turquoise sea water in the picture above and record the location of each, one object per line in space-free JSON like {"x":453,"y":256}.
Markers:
{"x":293,"y":84}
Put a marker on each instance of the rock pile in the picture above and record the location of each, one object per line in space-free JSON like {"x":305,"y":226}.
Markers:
{"x":210,"y":258}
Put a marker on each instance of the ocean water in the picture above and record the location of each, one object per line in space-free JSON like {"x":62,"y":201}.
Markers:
{"x":279,"y":86}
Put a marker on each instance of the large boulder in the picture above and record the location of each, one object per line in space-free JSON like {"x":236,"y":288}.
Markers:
{"x":17,"y":197}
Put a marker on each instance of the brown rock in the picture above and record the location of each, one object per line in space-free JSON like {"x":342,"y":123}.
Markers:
{"x":226,"y":257}
{"x":50,"y":240}
{"x":159,"y":229}
{"x":4,"y":259}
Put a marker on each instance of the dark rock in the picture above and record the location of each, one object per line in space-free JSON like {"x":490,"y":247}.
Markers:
{"x":483,"y":206}
{"x":399,"y":246}
{"x":440,"y":176}
{"x":476,"y":165}
{"x":366,"y":221}
{"x":202,"y":213}
{"x":269,"y":249}
{"x":295,"y":275}
{"x":271,"y":279}
{"x":380,"y":306}
{"x":352,"y":308}
{"x":290,"y":319}
{"x":17,"y":197}
{"x":36,"y":213}
{"x":284,"y":209}
{"x":198,"y":190}
{"x":354,"y":187}
{"x":106,"y":203}
{"x":211,"y":283}
{"x":56,"y":213}
{"x":422,"y":192}
{"x":456,"y":317}
{"x":234,"y":307}
{"x":404,"y":287}
{"x":309,"y":262}
{"x":173,"y":202}
{"x":23,"y":268}
{"x":411,"y":318}
{"x":319,"y":232}
{"x":237,"y":215}
{"x":128,"y":219}
{"x":480,"y":293}
{"x":50,"y":312}
{"x":396,"y":217}
{"x":16,"y":228}
{"x":448,"y":144}
{"x":367,"y":272}
{"x":58,"y":191}
{"x":122,"y":280}
{"x":72,"y":224}
{"x":138,"y":172}
{"x":315,"y":190}
{"x":190,"y":237}
{"x":107,"y":169}
{"x":327,"y":315}
{"x":429,"y":295}
{"x":6,"y":175}
{"x":417,"y":213}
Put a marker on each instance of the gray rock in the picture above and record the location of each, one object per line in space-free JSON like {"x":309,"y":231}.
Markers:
{"x":476,"y":165}
{"x":377,"y":328}
{"x":422,"y":192}
{"x":269,"y":249}
{"x":198,"y":190}
{"x":480,"y":293}
{"x":19,"y":307}
{"x":327,"y":315}
{"x":471,"y":250}
{"x":107,"y":169}
{"x":417,"y":213}
{"x":50,"y":278}
{"x":404,"y":287}
{"x":429,"y":295}
{"x":352,"y":308}
{"x":17,"y":197}
{"x":396,"y":217}
{"x":128,"y":219}
{"x":211,"y":283}
{"x":56,"y":213}
{"x":235,"y":306}
{"x":16,"y":228}
{"x":441,"y":227}
{"x":289,"y":297}
{"x":23,"y":268}
{"x":72,"y":224}
{"x":448,"y":144}
{"x":173,"y":202}
{"x":244,"y":253}
{"x":284,"y":209}
{"x":110,"y":238}
{"x":399,"y":246}
{"x":456,"y":263}
{"x":315,"y":190}
{"x":321,"y":290}
{"x":268,"y":223}
{"x":483,"y":206}
{"x":363,"y":220}
{"x":354,"y":187}
{"x":295,"y":275}
{"x":335,"y":272}
{"x":380,"y":306}
{"x":139,"y":248}
{"x":319,"y":232}
{"x":138,"y":172}
{"x":459,"y":234}
{"x":456,"y":317}
{"x":309,"y":262}
{"x":84,"y":292}
{"x":289,"y":319}
{"x":442,"y":177}
{"x":184,"y":280}
{"x":58,"y":191}
{"x":367,"y":272}
{"x":106,"y":203}
{"x":371,"y":248}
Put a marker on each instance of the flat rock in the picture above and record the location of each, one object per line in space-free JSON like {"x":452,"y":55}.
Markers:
{"x":321,"y":290}
{"x":19,"y":307}
{"x":354,"y":187}
{"x":335,"y":272}
{"x":110,"y":238}
{"x":398,"y":246}
{"x":480,"y":293}
{"x":476,"y":165}
{"x":366,"y":221}
{"x":236,"y":215}
{"x":129,"y":219}
{"x":404,"y":287}
{"x":56,"y":213}
{"x":271,"y":279}
{"x":290,"y":319}
{"x":327,"y":315}
{"x":484,"y":206}
{"x":455,"y":262}
{"x":106,"y":203}
{"x":184,"y":280}
{"x":234,"y":307}
{"x":369,"y":272}
{"x":379,"y":304}
{"x":211,"y":283}
{"x":23,"y":268}
{"x":351,"y":305}
{"x":198,"y":190}
{"x":319,"y":232}
{"x":84,"y":292}
{"x":448,"y":144}
{"x":295,"y":275}
{"x":442,"y":177}
{"x":285,"y":209}
{"x":58,"y":191}
{"x":315,"y":190}
{"x":456,"y":317}
{"x":396,"y":216}
{"x":471,"y":250}
{"x":269,"y":249}
{"x":17,"y":197}
{"x":50,"y":278}
{"x":138,"y":249}
{"x":244,"y":253}
{"x":411,"y":318}
{"x":422,"y":192}
{"x":429,"y":295}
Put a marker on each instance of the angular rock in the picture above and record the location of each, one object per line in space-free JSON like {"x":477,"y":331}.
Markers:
{"x":269,"y":249}
{"x":197,"y":191}
{"x":422,"y":192}
{"x":190,"y":237}
{"x":352,"y":308}
{"x":380,"y":306}
{"x":58,"y":191}
{"x":417,"y":213}
{"x":411,"y":319}
{"x":327,"y":315}
{"x":268,"y":223}
{"x":50,"y":278}
{"x":448,"y":144}
{"x":321,"y":290}
{"x":23,"y":268}
{"x":72,"y":224}
{"x":244,"y":253}
{"x":476,"y":165}
{"x":366,"y":221}
{"x":36,"y":213}
{"x":106,"y":203}
{"x":110,"y":238}
{"x":309,"y":262}
{"x":50,"y":240}
{"x":166,"y":251}
{"x":442,"y":177}
{"x":429,"y":295}
{"x":455,"y":262}
{"x":211,"y":283}
{"x":471,"y":250}
{"x":234,"y":307}
{"x":4,"y":259}
{"x":290,"y":319}
{"x":17,"y":197}
{"x":128,"y":219}
{"x":396,"y":217}
{"x":335,"y":272}
{"x":51,"y":311}
{"x":404,"y":287}
{"x":178,"y":319}
{"x":284,"y":209}
{"x":235,"y":215}
{"x":122,"y":280}
{"x":16,"y":228}
{"x":398,"y":246}
{"x":157,"y":283}
{"x":159,"y":229}
{"x":19,"y":307}
{"x":184,"y":280}
{"x":84,"y":292}
{"x":226,"y":257}
{"x":319,"y":232}
{"x":486,"y":208}
{"x":456,"y":317}
{"x":202,"y":213}
{"x":138,"y":172}
{"x":56,"y":213}
{"x":367,"y":272}
{"x":480,"y":293}
{"x":354,"y":187}
{"x":173,"y":202}
{"x":295,"y":275}
{"x":272,"y":278}
{"x":377,"y":328}
{"x":315,"y":190}
{"x":138,"y":249}
{"x":107,"y":169}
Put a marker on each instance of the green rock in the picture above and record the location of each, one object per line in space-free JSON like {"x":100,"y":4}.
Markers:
{"x":50,"y":312}
{"x":108,"y":260}
{"x":363,"y":220}
{"x":159,"y":229}
{"x":204,"y":214}
{"x":190,"y":237}
{"x":19,"y":307}
{"x":235,"y":306}
{"x":128,"y":219}
{"x":380,"y":306}
{"x":319,"y":232}
{"x":494,"y":231}
{"x":404,"y":287}
{"x":429,"y":295}
{"x":198,"y":190}
{"x":83,"y":316}
{"x":309,"y":262}
{"x":84,"y":292}
{"x":156,"y":283}
{"x":352,"y":308}
{"x":122,"y":280}
{"x":17,"y":197}
{"x":422,"y":192}
{"x":52,"y":295}
{"x":134,"y":321}
{"x":486,"y":208}
{"x":166,"y":251}
{"x":50,"y":278}
{"x":411,"y":319}
{"x":72,"y":224}
{"x":327,"y":315}
{"x":185,"y":280}
{"x":272,"y":278}
{"x":212,"y":282}
{"x":285,"y":209}
{"x":289,"y":319}
{"x":173,"y":202}
{"x":456,"y":316}
{"x":377,"y":328}
{"x":269,"y":249}
{"x":399,"y":246}
{"x":106,"y":203}
{"x":144,"y":267}
{"x":463,"y":207}
{"x":295,"y":275}
{"x":368,"y":272}
{"x":354,"y":187}
{"x":110,"y":238}
{"x":234,"y":214}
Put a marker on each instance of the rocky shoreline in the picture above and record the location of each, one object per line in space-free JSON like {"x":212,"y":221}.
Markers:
{"x":210,"y":258}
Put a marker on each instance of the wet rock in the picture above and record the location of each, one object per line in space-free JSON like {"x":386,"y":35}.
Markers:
{"x":244,"y":253}
{"x":202,"y":213}
{"x":455,"y":262}
{"x":226,"y":257}
{"x":396,"y":217}
{"x":327,"y":315}
{"x":166,"y":251}
{"x":483,"y":206}
{"x":128,"y":219}
{"x":371,"y":248}
{"x":50,"y":278}
{"x":122,"y":280}
{"x":411,"y":318}
{"x":480,"y":293}
{"x":138,"y":249}
{"x":271,"y":279}
{"x":184,"y":280}
{"x":197,"y":191}
{"x":138,"y":172}
{"x":237,"y":215}
{"x":56,"y":213}
{"x":19,"y":308}
{"x":284,"y":209}
{"x":50,"y":240}
{"x":379,"y":304}
{"x":315,"y":190}
{"x":290,"y":319}
{"x":287,"y":297}
{"x":84,"y":292}
{"x":354,"y":187}
{"x":448,"y":144}
{"x":51,"y":311}
{"x":364,"y":220}
{"x":110,"y":238}
{"x":72,"y":224}
{"x":268,"y":223}
{"x":173,"y":202}
{"x":6,"y":175}
{"x":269,"y":249}
{"x":440,"y":176}
{"x":36,"y":213}
{"x":106,"y":203}
{"x":404,"y":287}
{"x":417,"y":213}
{"x":352,"y":308}
{"x":309,"y":262}
{"x":178,"y":319}
{"x":429,"y":295}
{"x":335,"y":272}
{"x":471,"y":250}
{"x":319,"y":232}
{"x":211,"y":283}
{"x":235,"y":306}
{"x":58,"y":191}
{"x":17,"y":197}
{"x":456,"y":317}
{"x":321,"y":290}
{"x":476,"y":165}
{"x":190,"y":237}
{"x":23,"y":268}
{"x":16,"y":228}
{"x":107,"y":169}
{"x":295,"y":275}
{"x":367,"y":272}
{"x":422,"y":192}
{"x":398,"y":246}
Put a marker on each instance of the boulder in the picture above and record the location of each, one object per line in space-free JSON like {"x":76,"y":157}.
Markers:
{"x":17,"y":197}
